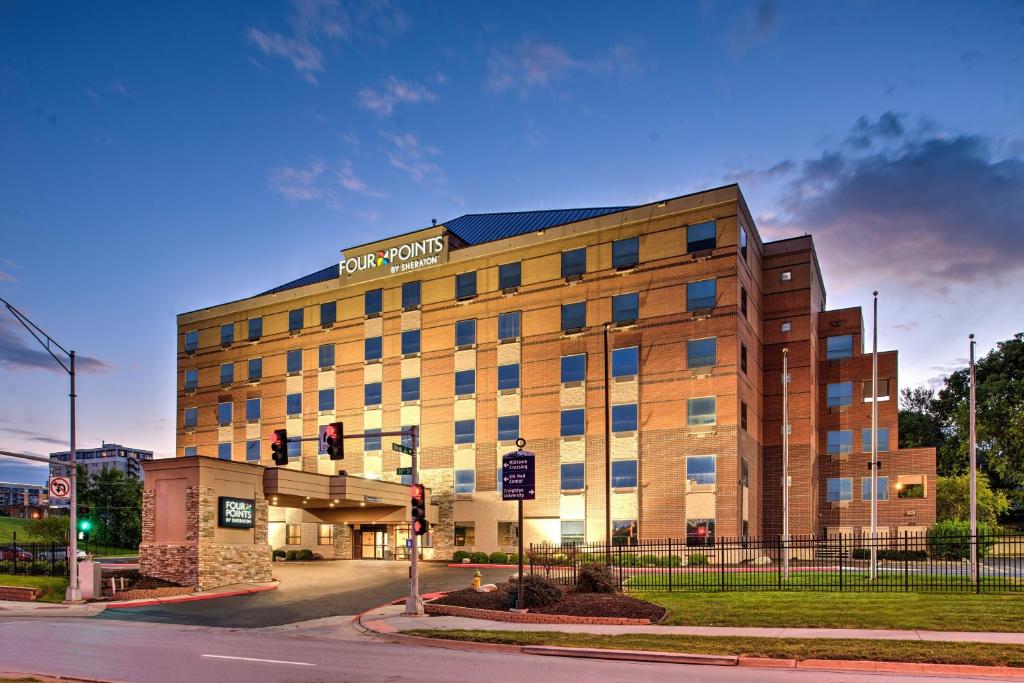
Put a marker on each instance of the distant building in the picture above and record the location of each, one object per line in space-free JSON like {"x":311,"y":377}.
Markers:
{"x":106,"y":457}
{"x":22,"y":500}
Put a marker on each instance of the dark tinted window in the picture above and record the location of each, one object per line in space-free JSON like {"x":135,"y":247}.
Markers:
{"x":326,"y":354}
{"x":465,"y":285}
{"x":227,"y":334}
{"x":252,"y":450}
{"x":465,"y":382}
{"x":294,"y":361}
{"x":572,"y":476}
{"x":508,"y":376}
{"x":191,"y":417}
{"x":255,"y":369}
{"x":328,"y":313}
{"x":574,"y":316}
{"x":574,"y":262}
{"x":573,"y":422}
{"x":191,"y":341}
{"x":411,"y":294}
{"x":465,"y":431}
{"x":371,"y":439}
{"x":574,"y":368}
{"x":252,"y":409}
{"x":224,"y":450}
{"x":700,"y":295}
{"x":625,"y":307}
{"x":223,"y":414}
{"x":700,"y":237}
{"x":508,"y":427}
{"x":326,"y":399}
{"x":373,"y":302}
{"x":625,"y":362}
{"x":255,"y":328}
{"x":410,"y":342}
{"x":227,"y":373}
{"x":509,"y":275}
{"x":623,"y":474}
{"x":626,"y":253}
{"x":295,"y":320}
{"x":701,"y":353}
{"x":508,"y":325}
{"x":372,"y":348}
{"x":294,"y":404}
{"x":372,"y":394}
{"x":624,"y":418}
{"x":411,"y":389}
{"x":465,"y":332}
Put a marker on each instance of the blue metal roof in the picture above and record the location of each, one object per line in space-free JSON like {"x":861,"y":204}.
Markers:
{"x":328,"y":273}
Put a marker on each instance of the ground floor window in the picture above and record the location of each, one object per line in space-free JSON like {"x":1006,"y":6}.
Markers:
{"x":910,"y":490}
{"x":293,"y":534}
{"x":624,"y":532}
{"x":572,"y":531}
{"x":508,"y":533}
{"x":465,"y":533}
{"x":700,"y":532}
{"x":325,"y":534}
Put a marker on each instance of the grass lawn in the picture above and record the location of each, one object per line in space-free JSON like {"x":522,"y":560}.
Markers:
{"x":984,"y":654}
{"x":9,"y":525}
{"x":814,"y":609}
{"x":53,"y":586}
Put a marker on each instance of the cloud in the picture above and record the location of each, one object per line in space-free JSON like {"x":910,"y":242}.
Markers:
{"x":383,"y":102}
{"x":33,"y":436}
{"x":944,"y":208}
{"x":7,"y":277}
{"x":409,"y":156}
{"x":17,"y":354}
{"x":755,"y":26}
{"x":347,"y":178}
{"x":533,"y":64}
{"x":301,"y":184}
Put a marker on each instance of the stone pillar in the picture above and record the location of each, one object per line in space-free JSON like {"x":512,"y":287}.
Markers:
{"x":342,"y":542}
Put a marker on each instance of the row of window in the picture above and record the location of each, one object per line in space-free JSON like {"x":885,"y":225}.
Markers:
{"x":700,"y":469}
{"x":699,"y":532}
{"x":840,"y":489}
{"x":841,"y":393}
{"x":841,"y":441}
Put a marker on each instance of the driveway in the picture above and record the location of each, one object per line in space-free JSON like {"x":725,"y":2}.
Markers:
{"x":311,"y":590}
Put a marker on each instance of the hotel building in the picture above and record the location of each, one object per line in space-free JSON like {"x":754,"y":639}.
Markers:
{"x":638,"y":351}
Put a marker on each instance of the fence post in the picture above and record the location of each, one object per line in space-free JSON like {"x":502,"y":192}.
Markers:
{"x":906,"y":561}
{"x":977,"y":562}
{"x":840,"y":559}
{"x":778,"y":562}
{"x":669,"y":560}
{"x":620,"y":566}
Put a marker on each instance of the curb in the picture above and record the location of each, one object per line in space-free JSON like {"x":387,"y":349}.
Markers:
{"x":631,"y":655}
{"x":149,"y":602}
{"x":47,"y":678}
{"x":467,"y":565}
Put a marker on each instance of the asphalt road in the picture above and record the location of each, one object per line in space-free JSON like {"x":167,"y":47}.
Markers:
{"x":163,"y":653}
{"x":311,"y":591}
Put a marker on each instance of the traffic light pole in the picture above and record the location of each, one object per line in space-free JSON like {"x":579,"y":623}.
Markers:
{"x":414,"y":603}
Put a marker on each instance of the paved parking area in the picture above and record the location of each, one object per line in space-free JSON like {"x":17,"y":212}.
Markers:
{"x":311,"y":590}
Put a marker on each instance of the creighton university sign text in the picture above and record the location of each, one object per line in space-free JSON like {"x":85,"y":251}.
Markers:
{"x":425,"y":252}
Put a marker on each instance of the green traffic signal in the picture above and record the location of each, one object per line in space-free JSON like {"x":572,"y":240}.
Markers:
{"x":84,"y":525}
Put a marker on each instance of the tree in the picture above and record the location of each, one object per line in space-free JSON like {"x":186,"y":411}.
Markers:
{"x":953,"y":499}
{"x":920,"y":425}
{"x":114,"y":503}
{"x":52,"y":528}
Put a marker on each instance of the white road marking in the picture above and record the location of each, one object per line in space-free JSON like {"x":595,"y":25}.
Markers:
{"x":253,"y":659}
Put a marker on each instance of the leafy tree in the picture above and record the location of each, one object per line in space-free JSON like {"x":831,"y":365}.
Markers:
{"x":114,"y":501}
{"x":953,"y":499}
{"x":52,"y":528}
{"x":920,"y":425}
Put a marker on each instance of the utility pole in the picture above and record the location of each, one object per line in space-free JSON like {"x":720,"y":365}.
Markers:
{"x":607,"y":452}
{"x":874,"y":444}
{"x":974,"y":478}
{"x":414,"y":603}
{"x":785,"y":463}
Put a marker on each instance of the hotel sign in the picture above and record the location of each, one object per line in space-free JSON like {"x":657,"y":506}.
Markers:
{"x":398,"y":258}
{"x":236,"y":513}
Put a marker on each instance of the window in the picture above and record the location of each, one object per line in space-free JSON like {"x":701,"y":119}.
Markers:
{"x":465,"y":431}
{"x":700,"y":294}
{"x":372,"y":394}
{"x":787,"y":327}
{"x":294,"y":362}
{"x":743,"y":243}
{"x":294,"y":404}
{"x":465,"y":481}
{"x":573,"y":422}
{"x":191,"y":451}
{"x":465,"y":333}
{"x":465,"y":285}
{"x":372,"y":348}
{"x":191,"y":341}
{"x":410,"y":342}
{"x":255,"y":328}
{"x":295,"y":320}
{"x":883,"y":440}
{"x":743,"y":301}
{"x":787,"y":275}
{"x":906,"y":490}
{"x":224,"y":450}
{"x":744,"y":473}
{"x":839,"y":490}
{"x":508,"y":376}
{"x":227,"y":334}
{"x":465,"y":382}
{"x":700,"y":469}
{"x":700,"y":237}
{"x":882,"y":488}
{"x":743,"y":358}
{"x":255,"y":369}
{"x":227,"y":373}
{"x":294,"y":448}
{"x":624,"y":532}
{"x":325,"y":534}
{"x":191,"y":380}
{"x":623,"y":474}
{"x":508,"y":326}
{"x":465,"y":533}
{"x":328,"y":313}
{"x":574,"y":263}
{"x":626,"y":362}
{"x":224,"y":414}
{"x":292,"y":534}
{"x":701,"y":353}
{"x":883,"y":390}
{"x":252,"y":409}
{"x":252,"y":450}
{"x":574,"y":368}
{"x":411,"y":389}
{"x":326,"y":356}
{"x":840,"y":442}
{"x":840,"y":394}
{"x":371,"y":439}
{"x":574,"y":316}
{"x":839,"y":347}
{"x":509,"y":275}
{"x":572,"y":531}
{"x":625,"y":307}
{"x":743,"y":416}
{"x":508,"y":427}
{"x":700,"y":412}
{"x":373,"y":302}
{"x":700,"y":532}
{"x":626,"y":253}
{"x":411,"y":294}
{"x":572,"y":476}
{"x":624,"y":418}
{"x":325,"y":400}
{"x":191,"y":417}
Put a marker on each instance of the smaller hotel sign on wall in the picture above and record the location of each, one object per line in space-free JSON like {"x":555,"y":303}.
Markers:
{"x":236,"y":513}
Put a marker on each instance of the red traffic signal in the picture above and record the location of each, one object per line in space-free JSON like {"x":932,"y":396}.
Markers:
{"x":279,"y":447}
{"x":334,"y":436}
{"x":420,"y":525}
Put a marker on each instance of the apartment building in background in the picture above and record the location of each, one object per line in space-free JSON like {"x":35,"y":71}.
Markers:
{"x":109,"y":456}
{"x":27,"y":501}
{"x":492,"y":327}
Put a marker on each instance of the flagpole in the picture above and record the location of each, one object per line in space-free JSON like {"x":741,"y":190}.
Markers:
{"x":874,"y":443}
{"x":974,"y":478}
{"x":785,"y":463}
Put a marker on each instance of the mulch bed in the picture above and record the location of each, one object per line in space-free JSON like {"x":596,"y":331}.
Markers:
{"x":572,"y":604}
{"x":133,"y":580}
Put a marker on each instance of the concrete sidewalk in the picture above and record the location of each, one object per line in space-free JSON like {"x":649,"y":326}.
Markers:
{"x":390,"y":619}
{"x":10,"y":608}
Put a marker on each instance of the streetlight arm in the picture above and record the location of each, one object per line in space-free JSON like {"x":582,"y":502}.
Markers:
{"x":38,"y":333}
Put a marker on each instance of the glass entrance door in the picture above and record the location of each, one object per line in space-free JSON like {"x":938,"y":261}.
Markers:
{"x":375,"y":545}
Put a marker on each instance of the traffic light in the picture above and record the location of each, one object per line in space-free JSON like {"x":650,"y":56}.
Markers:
{"x":84,"y":525}
{"x":335,"y":438}
{"x":279,"y":447}
{"x":420,"y":525}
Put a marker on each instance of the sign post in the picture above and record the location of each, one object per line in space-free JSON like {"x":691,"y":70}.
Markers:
{"x":518,"y":476}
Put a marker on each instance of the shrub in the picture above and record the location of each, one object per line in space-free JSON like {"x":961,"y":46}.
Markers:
{"x":537,"y":592}
{"x":860,"y":554}
{"x":648,"y":560}
{"x":460,"y":555}
{"x":890,"y":555}
{"x":595,"y":578}
{"x":697,"y":559}
{"x":671,"y":561}
{"x":304,"y":555}
{"x":290,"y":555}
{"x":513,"y":558}
{"x":478,"y":558}
{"x":278,"y":553}
{"x":498,"y":557}
{"x":950,"y":540}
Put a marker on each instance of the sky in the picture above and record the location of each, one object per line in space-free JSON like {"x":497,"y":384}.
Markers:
{"x":159,"y":157}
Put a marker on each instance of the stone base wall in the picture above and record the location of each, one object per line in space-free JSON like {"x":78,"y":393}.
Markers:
{"x":222,"y":564}
{"x":174,"y":562}
{"x":441,"y":483}
{"x":342,"y":542}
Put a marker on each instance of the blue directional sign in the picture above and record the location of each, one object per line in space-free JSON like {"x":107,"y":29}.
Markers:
{"x":517,"y":476}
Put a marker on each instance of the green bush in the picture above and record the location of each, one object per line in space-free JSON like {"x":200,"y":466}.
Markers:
{"x":498,"y":557}
{"x":460,"y":555}
{"x":304,"y":555}
{"x":290,"y":555}
{"x":671,"y":561}
{"x":537,"y":592}
{"x":478,"y":558}
{"x":513,"y":558}
{"x":950,"y":540}
{"x":891,"y":555}
{"x":595,"y":578}
{"x":697,"y":559}
{"x":278,"y":553}
{"x":649,"y":560}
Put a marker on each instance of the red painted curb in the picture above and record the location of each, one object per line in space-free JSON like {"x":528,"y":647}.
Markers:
{"x":128,"y":604}
{"x":485,"y":566}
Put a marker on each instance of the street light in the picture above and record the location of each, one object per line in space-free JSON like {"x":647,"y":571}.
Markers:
{"x":74,"y":593}
{"x":974,"y":478}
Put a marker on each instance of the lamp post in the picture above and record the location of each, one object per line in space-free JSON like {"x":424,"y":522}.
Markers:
{"x":785,"y":463}
{"x":607,"y":451}
{"x":874,"y":443}
{"x":74,"y":593}
{"x":974,"y":477}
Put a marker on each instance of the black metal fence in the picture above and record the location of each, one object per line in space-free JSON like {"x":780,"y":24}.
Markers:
{"x":48,"y":558}
{"x":907,"y":562}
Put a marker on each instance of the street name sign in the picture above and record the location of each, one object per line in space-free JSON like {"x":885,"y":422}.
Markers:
{"x":401,"y":449}
{"x":518,"y":476}
{"x":403,"y":470}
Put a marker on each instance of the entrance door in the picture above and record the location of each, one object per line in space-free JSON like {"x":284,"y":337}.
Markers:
{"x":375,"y":545}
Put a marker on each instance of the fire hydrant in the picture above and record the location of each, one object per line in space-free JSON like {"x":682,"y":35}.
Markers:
{"x":476,"y":580}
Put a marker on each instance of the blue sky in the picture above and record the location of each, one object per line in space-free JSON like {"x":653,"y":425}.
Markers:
{"x":153,"y":152}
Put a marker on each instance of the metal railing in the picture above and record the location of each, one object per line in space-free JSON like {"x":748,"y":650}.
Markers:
{"x":49,"y":558}
{"x":906,"y":562}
